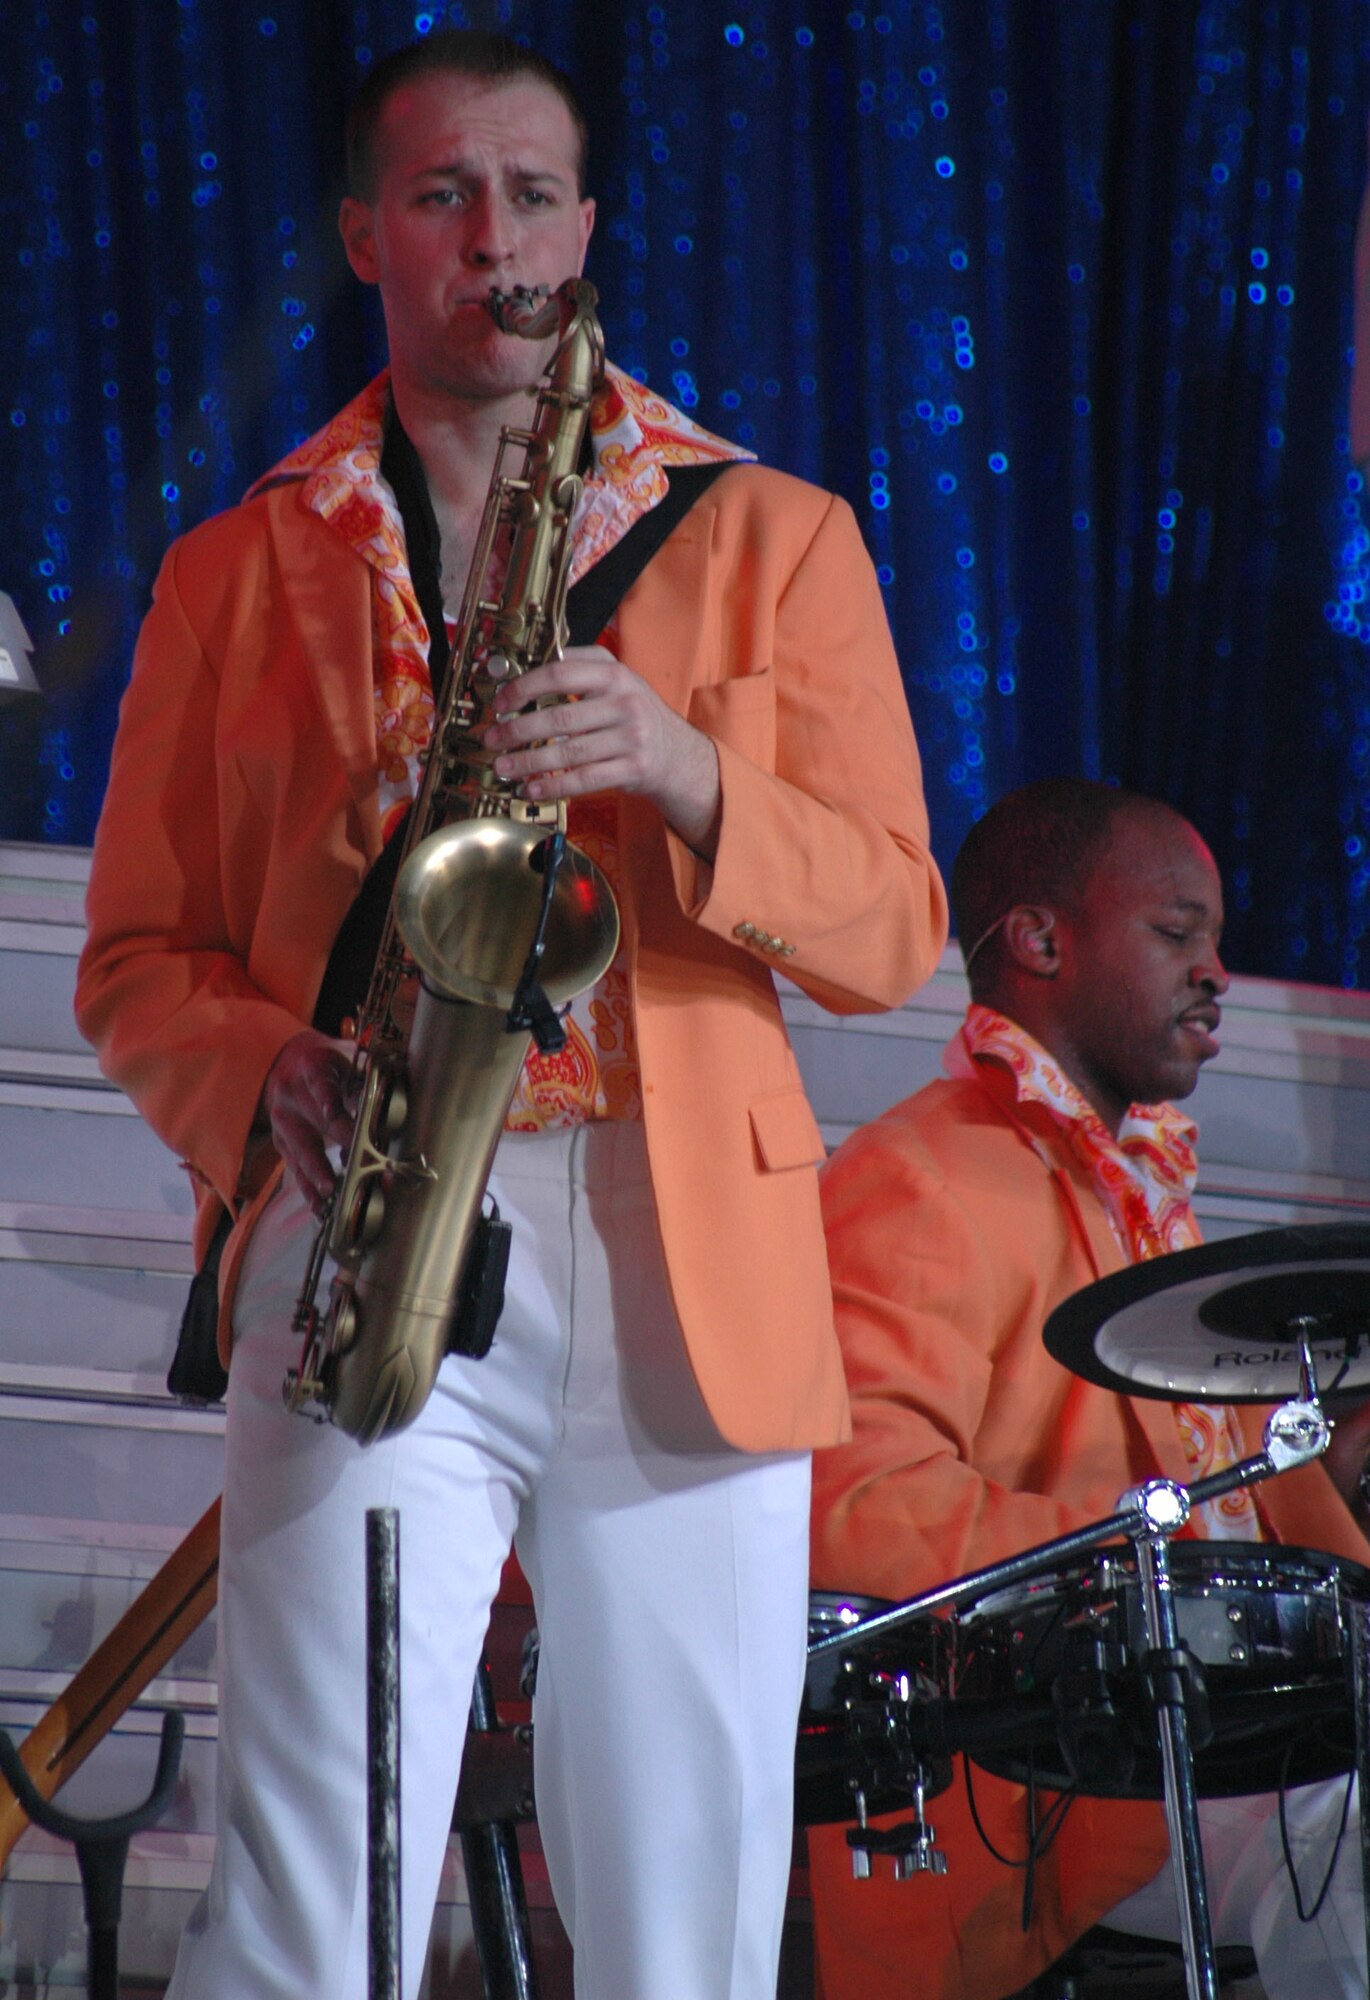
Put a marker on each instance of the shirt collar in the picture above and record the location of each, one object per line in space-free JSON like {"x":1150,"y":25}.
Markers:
{"x":1038,"y":1079}
{"x":635,"y":437}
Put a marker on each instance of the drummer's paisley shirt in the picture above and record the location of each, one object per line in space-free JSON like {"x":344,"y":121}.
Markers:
{"x":1144,"y":1179}
{"x":635,"y":436}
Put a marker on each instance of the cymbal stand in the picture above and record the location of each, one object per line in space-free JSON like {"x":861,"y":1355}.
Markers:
{"x":1165,"y":1508}
{"x":1295,"y":1434}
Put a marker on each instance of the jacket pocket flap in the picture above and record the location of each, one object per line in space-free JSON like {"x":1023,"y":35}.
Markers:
{"x":786,"y":1130}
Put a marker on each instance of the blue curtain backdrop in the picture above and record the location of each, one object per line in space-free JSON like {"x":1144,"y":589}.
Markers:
{"x":1056,"y":292}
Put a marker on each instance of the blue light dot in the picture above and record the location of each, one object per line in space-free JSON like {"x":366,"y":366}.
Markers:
{"x":965,"y":558}
{"x":946,"y":482}
{"x":734,"y":35}
{"x":171,"y":491}
{"x":1285,"y":295}
{"x":880,"y":500}
{"x":945,"y":167}
{"x":804,"y":37}
{"x":885,"y":574}
{"x":953,"y":413}
{"x":1260,"y":258}
{"x":266,"y":26}
{"x":1079,"y":520}
{"x":684,"y":245}
{"x":1256,"y":294}
{"x":1076,"y":273}
{"x":998,"y":462}
{"x":958,"y":260}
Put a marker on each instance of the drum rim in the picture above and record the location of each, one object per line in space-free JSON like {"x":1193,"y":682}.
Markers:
{"x":1195,"y":1565}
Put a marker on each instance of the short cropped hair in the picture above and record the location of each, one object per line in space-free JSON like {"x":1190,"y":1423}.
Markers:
{"x":469,"y":52}
{"x":1036,"y":845}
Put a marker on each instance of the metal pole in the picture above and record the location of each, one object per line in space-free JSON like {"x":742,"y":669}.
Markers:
{"x":494,"y":1881}
{"x":1177,"y":1767}
{"x":1359,"y":1619}
{"x":383,"y":1751}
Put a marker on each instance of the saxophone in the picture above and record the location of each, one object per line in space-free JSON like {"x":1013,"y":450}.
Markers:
{"x":495,"y":922}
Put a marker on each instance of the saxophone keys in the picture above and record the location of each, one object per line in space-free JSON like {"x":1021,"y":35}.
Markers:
{"x":365,"y":1217}
{"x":343,"y":1323}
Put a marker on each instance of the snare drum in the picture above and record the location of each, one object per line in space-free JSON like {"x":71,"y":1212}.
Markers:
{"x":860,"y":1725}
{"x":1050,"y":1670}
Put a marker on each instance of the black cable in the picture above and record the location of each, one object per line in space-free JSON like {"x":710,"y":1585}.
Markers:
{"x":1307,"y":1916}
{"x":1040,"y":1837}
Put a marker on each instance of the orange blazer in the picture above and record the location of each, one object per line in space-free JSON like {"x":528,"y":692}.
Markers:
{"x":241,"y":816}
{"x":954,"y":1227}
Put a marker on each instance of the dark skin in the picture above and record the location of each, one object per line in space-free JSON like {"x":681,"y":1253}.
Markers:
{"x":1122,"y":986}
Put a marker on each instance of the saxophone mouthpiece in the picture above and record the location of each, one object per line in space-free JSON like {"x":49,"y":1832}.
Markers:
{"x":521,"y":310}
{"x":536,"y":311}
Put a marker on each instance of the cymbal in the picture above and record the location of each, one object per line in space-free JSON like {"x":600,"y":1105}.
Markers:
{"x":1220,"y":1323}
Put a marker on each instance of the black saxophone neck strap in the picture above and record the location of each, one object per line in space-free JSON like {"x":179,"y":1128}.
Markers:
{"x":590,"y":604}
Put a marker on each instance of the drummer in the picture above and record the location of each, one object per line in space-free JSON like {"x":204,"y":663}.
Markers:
{"x":1090,"y":920}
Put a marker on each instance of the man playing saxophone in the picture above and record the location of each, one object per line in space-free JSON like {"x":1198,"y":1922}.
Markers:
{"x":737,"y":759}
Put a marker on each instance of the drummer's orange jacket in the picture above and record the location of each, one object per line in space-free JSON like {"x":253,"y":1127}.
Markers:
{"x":954,"y":1227}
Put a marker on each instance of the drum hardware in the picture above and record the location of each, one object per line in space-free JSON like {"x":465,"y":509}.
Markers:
{"x":912,"y":1843}
{"x":486,"y":1824}
{"x":1148,"y":1516}
{"x":1164,"y":1508}
{"x":866,"y":1730}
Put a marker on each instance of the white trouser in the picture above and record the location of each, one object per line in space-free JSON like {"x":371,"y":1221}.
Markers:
{"x":670,"y":1581}
{"x":1251,"y":1900}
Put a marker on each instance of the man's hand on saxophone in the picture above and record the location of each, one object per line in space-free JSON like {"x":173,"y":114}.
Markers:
{"x":305,"y":1103}
{"x":609,"y":731}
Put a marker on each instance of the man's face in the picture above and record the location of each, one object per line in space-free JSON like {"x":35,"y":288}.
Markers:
{"x":1136,"y":994}
{"x":475,"y":191}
